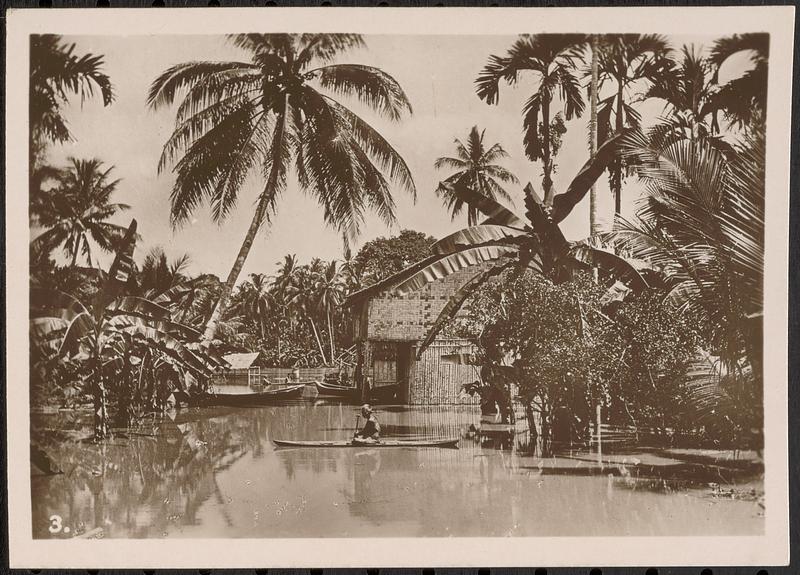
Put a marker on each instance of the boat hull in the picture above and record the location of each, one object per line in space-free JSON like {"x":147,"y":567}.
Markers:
{"x":448,"y":442}
{"x":329,"y":390}
{"x":266,"y":397}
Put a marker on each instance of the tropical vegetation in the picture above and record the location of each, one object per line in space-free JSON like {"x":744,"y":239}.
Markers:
{"x":658,"y":321}
{"x":270,"y":114}
{"x":75,"y":213}
{"x":475,"y":167}
{"x":552,"y":60}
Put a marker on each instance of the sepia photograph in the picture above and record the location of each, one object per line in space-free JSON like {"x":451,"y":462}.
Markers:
{"x":308,"y":283}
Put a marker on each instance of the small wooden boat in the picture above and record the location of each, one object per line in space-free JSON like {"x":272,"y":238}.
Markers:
{"x":265,"y":397}
{"x":334,"y":390}
{"x":442,"y":442}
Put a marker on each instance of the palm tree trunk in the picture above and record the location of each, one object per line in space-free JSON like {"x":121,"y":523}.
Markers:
{"x":319,"y":341}
{"x":547,"y":182}
{"x":238,"y":264}
{"x":618,"y":166}
{"x":594,"y":226}
{"x":258,"y":218}
{"x":330,"y":335}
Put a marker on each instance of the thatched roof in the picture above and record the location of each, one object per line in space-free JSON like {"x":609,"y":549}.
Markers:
{"x":241,"y":360}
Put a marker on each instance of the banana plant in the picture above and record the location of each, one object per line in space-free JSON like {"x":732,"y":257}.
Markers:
{"x":506,"y":241}
{"x":101,"y":337}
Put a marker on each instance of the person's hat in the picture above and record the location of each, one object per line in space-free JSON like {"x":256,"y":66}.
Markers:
{"x":366,"y":408}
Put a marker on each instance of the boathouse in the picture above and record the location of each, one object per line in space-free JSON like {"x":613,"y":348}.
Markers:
{"x":244,"y":369}
{"x":250,"y":369}
{"x":387,"y":331}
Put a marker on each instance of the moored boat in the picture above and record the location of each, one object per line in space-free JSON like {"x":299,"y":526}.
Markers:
{"x":445,"y":442}
{"x":328,"y":389}
{"x":264,"y":397}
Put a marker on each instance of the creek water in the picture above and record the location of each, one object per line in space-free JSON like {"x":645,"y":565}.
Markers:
{"x":214,"y":473}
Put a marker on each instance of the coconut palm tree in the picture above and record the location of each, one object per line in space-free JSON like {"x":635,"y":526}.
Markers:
{"x":257,"y":301}
{"x":158,"y":275}
{"x":475,"y":166}
{"x":274,"y":112}
{"x":742,"y":99}
{"x":301,"y":299}
{"x":75,"y":214}
{"x":551,"y":58}
{"x":629,"y":64}
{"x":56,"y":73}
{"x":328,"y":293}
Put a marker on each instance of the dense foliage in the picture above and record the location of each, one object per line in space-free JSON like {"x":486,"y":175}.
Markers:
{"x":659,"y":321}
{"x":382,"y":257}
{"x":567,"y":355}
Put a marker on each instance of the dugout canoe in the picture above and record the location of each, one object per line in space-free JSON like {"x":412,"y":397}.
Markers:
{"x":450,"y":442}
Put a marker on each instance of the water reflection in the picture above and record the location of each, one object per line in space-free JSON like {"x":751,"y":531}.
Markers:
{"x":213,"y":472}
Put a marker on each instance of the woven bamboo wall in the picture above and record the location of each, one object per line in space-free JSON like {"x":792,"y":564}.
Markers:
{"x":437,"y":382}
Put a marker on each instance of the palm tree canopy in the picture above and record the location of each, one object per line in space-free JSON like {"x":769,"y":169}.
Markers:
{"x":744,"y":98}
{"x":686,"y":89}
{"x":625,"y":61}
{"x":76,"y":211}
{"x":552,"y":60}
{"x":329,"y":289}
{"x":279,"y":109}
{"x":158,"y":275}
{"x":56,"y":73}
{"x":474,"y":165}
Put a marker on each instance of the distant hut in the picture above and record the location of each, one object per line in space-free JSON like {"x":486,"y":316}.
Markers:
{"x":387,"y":330}
{"x":245,"y":369}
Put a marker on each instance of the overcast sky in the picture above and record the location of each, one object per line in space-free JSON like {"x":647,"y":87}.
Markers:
{"x":437,"y":73}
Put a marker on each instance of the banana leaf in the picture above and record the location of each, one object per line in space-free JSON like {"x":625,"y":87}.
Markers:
{"x":552,"y":243}
{"x":451,"y":264}
{"x":118,"y":274}
{"x":624,"y":270}
{"x":54,"y":304}
{"x":564,"y":203}
{"x":495,"y":212}
{"x":475,"y":236}
{"x":139,"y":307}
{"x":80,"y":330}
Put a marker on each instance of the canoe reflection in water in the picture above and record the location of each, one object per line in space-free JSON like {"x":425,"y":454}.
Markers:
{"x":215,"y":473}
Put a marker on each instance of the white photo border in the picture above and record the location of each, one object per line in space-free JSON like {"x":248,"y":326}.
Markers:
{"x":771,"y":548}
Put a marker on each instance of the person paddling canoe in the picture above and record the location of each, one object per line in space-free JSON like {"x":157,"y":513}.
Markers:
{"x":371,"y":431}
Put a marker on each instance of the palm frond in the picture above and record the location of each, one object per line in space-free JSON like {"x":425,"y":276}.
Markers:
{"x":166,"y":87}
{"x":371,"y":86}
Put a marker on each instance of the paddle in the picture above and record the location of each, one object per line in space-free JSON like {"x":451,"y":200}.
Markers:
{"x":358,"y":419}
